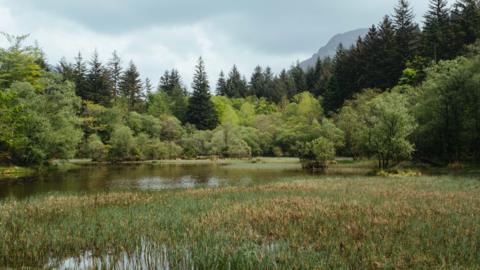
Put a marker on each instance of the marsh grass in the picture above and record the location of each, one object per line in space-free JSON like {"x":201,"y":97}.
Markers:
{"x":338,"y":222}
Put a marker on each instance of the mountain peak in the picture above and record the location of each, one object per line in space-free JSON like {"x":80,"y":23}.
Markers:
{"x":347,"y":39}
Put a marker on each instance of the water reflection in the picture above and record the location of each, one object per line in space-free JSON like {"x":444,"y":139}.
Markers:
{"x":148,"y":177}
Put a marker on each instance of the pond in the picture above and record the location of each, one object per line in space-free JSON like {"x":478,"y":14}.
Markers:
{"x":91,"y":178}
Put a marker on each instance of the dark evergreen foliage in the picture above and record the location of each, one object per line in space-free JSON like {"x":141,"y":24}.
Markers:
{"x":200,"y":111}
{"x":131,"y":88}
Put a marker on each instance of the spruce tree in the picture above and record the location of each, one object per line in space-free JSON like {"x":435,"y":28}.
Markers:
{"x":298,"y":76}
{"x":201,"y":111}
{"x":221,"y":85}
{"x":236,"y":85}
{"x":148,"y":87}
{"x":115,"y":70}
{"x":80,"y":77}
{"x":465,"y":19}
{"x":164,"y":81}
{"x":98,"y":82}
{"x":257,"y":82}
{"x":387,"y":72}
{"x":285,"y":85}
{"x":170,"y":81}
{"x":407,"y":33}
{"x":437,"y":35}
{"x":269,"y":85}
{"x":66,"y":69}
{"x":131,"y":88}
{"x":316,"y":78}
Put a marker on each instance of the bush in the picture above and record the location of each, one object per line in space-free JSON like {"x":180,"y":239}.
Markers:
{"x":95,"y":148}
{"x":123,"y":145}
{"x":155,"y":149}
{"x":315,"y":155}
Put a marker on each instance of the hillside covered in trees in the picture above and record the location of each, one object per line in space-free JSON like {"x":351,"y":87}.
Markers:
{"x":404,"y":91}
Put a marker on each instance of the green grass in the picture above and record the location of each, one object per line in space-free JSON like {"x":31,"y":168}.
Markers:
{"x":337,"y":222}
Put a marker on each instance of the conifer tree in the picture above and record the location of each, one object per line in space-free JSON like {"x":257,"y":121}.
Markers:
{"x":115,"y":69}
{"x":298,"y":76}
{"x":148,"y":87}
{"x":285,"y":85}
{"x":66,"y":69}
{"x":236,"y":85}
{"x":131,"y":88}
{"x":407,"y":33}
{"x":201,"y":111}
{"x":80,"y":77}
{"x":170,"y":81}
{"x":437,"y":31}
{"x":465,"y":20}
{"x":387,"y":72}
{"x":257,"y":82}
{"x":268,"y":85}
{"x":221,"y":85}
{"x":98,"y":82}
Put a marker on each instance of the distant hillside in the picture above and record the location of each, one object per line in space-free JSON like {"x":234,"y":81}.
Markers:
{"x":329,"y":50}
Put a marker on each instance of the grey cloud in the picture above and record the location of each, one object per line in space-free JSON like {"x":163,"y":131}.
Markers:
{"x":271,"y":26}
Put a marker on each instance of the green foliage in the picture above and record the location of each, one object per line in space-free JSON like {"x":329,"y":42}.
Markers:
{"x":122,"y":144}
{"x":131,"y":88}
{"x":42,"y":125}
{"x":19,"y":64}
{"x":316,"y":154}
{"x":154,"y":149}
{"x":379,"y":125}
{"x":96,"y":149}
{"x":201,"y":110}
{"x":449,"y":108}
{"x":158,"y":104}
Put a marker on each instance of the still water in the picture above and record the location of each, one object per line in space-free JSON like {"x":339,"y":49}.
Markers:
{"x":89,"y":179}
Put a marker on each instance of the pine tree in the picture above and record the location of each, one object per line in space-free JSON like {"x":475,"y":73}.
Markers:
{"x":164,"y":81}
{"x":298,"y":76}
{"x":345,"y":76}
{"x":170,"y":81}
{"x":115,"y":70}
{"x":323,"y":69}
{"x":316,"y":78}
{"x":201,"y":111}
{"x":465,"y":20}
{"x":80,"y":77}
{"x":269,"y":85}
{"x":131,"y":88}
{"x":437,"y":35}
{"x":407,"y":33}
{"x":66,"y":69}
{"x":285,"y":86}
{"x":387,"y":61}
{"x":257,"y":82}
{"x":236,"y":85}
{"x":148,"y":87}
{"x":221,"y":85}
{"x":98,"y":82}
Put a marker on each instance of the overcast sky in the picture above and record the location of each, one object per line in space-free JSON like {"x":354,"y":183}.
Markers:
{"x":160,"y":34}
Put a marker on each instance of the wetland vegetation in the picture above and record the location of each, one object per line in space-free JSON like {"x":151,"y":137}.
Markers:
{"x":100,"y":169}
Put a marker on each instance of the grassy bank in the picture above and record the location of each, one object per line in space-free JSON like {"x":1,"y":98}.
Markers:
{"x":339,"y":222}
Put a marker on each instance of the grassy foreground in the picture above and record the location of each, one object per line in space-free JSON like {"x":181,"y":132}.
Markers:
{"x":338,"y":222}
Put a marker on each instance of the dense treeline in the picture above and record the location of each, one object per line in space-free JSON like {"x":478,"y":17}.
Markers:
{"x":382,"y":98}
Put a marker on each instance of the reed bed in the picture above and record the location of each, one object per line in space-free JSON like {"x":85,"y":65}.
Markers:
{"x":427,"y":222}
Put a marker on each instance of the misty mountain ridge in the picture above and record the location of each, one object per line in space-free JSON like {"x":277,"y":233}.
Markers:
{"x":347,"y":39}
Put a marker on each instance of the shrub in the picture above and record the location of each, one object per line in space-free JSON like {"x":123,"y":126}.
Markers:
{"x":123,"y":145}
{"x":95,"y":148}
{"x":315,"y":155}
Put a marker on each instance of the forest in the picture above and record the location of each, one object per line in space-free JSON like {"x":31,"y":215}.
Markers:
{"x":403,"y":92}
